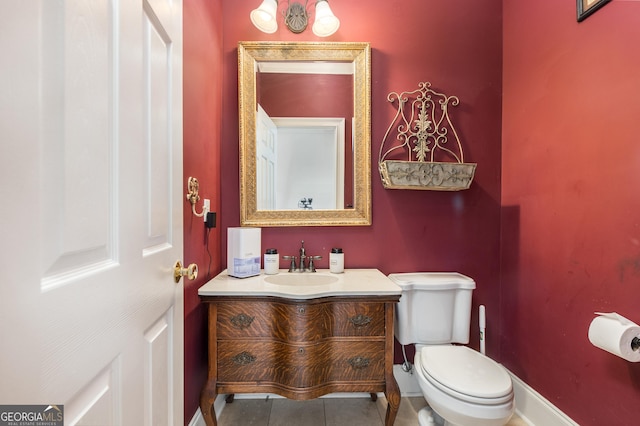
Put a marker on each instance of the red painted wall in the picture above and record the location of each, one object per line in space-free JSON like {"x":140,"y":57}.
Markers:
{"x":569,"y":158}
{"x":571,"y":208}
{"x":202,"y":103}
{"x":455,"y":44}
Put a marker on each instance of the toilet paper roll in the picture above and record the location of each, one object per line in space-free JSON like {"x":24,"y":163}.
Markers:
{"x":615,"y":334}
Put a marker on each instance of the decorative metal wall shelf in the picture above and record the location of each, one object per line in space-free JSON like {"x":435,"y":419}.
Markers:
{"x":416,"y":151}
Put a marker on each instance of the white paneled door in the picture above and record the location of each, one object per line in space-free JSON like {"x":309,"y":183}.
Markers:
{"x":266,"y":160}
{"x":91,"y":197}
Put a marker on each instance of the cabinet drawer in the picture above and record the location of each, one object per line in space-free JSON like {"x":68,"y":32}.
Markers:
{"x":300,"y":366}
{"x":299,"y":322}
{"x":284,"y":321}
{"x":357,"y":319}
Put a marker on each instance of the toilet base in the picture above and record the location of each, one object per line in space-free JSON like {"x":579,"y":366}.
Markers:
{"x":428,"y":417}
{"x":425,"y":417}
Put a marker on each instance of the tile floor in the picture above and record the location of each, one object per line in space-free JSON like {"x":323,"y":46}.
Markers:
{"x":348,"y":411}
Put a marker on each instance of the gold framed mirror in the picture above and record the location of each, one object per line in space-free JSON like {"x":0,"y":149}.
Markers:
{"x":319,"y":173}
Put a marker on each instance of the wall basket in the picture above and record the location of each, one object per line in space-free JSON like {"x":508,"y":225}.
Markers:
{"x":416,"y":151}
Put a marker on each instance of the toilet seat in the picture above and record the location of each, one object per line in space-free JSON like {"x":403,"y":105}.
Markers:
{"x":466,"y":374}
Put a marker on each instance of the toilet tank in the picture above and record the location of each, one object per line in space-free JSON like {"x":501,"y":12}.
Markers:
{"x":435,"y":307}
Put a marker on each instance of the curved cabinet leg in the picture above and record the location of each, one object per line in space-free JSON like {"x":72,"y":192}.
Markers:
{"x":392,"y":392}
{"x":207,"y":398}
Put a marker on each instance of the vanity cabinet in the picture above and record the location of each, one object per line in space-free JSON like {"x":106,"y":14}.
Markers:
{"x":300,"y":348}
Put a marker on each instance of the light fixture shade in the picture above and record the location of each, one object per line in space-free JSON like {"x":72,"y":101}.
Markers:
{"x":326,"y":22}
{"x":264,"y":17}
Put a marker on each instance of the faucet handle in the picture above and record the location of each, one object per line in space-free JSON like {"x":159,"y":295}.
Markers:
{"x":312,"y":267}
{"x":292,"y":266}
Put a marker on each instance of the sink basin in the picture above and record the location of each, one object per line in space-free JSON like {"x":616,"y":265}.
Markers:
{"x":296,"y":280}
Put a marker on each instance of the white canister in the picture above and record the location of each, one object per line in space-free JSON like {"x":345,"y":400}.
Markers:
{"x":271,"y":261}
{"x":336,"y":261}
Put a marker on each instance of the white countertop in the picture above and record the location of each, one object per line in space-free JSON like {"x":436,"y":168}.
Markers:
{"x":303,"y":285}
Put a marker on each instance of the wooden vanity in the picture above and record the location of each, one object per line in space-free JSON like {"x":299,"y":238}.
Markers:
{"x":301,"y":341}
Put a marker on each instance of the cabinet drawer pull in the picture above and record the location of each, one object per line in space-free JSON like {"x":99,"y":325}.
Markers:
{"x":360,"y":320}
{"x":301,"y":310}
{"x":359,"y":362}
{"x":241,"y":321}
{"x":244,"y":358}
{"x":301,"y":351}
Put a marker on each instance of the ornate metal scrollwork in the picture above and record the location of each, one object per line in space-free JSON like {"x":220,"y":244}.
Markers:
{"x":421,"y":148}
{"x":360,"y":320}
{"x":359,"y":362}
{"x":241,"y":321}
{"x":244,"y":358}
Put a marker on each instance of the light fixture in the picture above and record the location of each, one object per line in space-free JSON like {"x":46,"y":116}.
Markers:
{"x":296,"y":18}
{"x":326,"y":22}
{"x":264,"y":17}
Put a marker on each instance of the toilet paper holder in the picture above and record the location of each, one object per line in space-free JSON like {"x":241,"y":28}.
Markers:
{"x":616,"y":334}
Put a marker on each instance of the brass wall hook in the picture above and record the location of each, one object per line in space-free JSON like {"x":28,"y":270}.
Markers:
{"x":193,"y":186}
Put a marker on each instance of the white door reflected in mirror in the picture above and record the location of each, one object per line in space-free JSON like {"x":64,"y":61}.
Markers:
{"x":310,"y":172}
{"x":266,"y":160}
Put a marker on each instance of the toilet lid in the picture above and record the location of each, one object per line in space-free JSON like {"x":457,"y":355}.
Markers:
{"x":466,"y":371}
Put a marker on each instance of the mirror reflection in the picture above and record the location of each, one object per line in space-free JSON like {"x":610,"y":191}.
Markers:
{"x":310,"y":143}
{"x":304,"y":117}
{"x":304,"y":166}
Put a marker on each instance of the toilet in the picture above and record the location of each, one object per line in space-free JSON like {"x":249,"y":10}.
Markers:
{"x":463,"y":386}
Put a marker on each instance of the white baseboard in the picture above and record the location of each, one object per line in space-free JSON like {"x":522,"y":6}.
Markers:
{"x":535,"y":409}
{"x":197,"y":419}
{"x":218,"y":405}
{"x":532,"y":407}
{"x":407,"y":382}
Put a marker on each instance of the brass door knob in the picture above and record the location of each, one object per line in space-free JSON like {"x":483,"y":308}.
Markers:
{"x":190,"y":271}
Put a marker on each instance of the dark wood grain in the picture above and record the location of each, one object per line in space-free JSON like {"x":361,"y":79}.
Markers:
{"x":300,"y":322}
{"x":300,"y":349}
